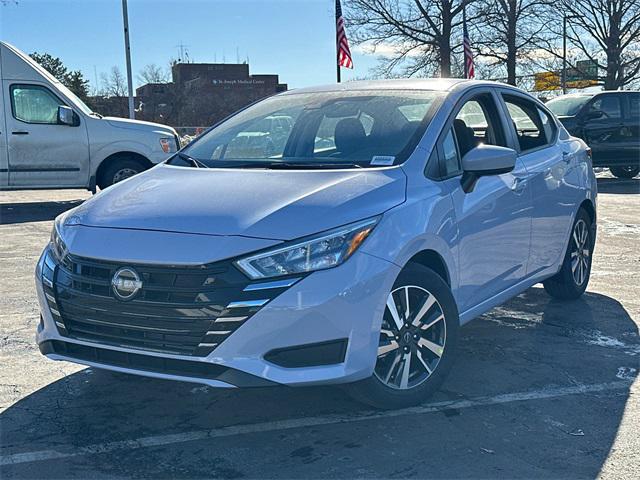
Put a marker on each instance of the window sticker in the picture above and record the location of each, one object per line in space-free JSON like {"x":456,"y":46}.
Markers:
{"x":382,"y":160}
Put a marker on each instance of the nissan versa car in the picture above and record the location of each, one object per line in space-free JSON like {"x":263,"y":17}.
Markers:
{"x":350,"y":252}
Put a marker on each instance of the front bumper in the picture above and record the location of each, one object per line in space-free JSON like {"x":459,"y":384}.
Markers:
{"x":340,"y":306}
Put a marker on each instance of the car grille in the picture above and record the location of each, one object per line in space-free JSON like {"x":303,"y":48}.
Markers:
{"x":185,"y":310}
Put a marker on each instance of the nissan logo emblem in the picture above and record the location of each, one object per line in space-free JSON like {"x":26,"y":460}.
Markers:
{"x":126,"y":283}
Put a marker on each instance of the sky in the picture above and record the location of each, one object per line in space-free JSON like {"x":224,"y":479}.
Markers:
{"x":292,"y":38}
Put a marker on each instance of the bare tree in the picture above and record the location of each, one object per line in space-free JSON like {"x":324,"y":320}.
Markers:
{"x":415,"y":34}
{"x":507,"y":31}
{"x":114,"y":84}
{"x":606,"y":32}
{"x":153,"y":73}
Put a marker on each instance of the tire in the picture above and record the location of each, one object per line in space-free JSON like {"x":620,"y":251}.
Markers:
{"x":389,"y":387}
{"x":625,"y":172}
{"x":572,"y":279}
{"x":118,"y":170}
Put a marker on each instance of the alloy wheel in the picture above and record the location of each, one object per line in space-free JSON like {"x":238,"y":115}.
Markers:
{"x":123,"y":173}
{"x":412,"y":338}
{"x":580,"y":252}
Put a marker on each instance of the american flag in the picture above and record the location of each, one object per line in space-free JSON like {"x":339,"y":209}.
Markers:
{"x":469,"y":71}
{"x":344,"y":54}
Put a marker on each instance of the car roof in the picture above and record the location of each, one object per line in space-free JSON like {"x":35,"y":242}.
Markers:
{"x":426,"y":84}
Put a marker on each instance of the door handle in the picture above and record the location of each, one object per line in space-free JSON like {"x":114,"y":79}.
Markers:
{"x":519,"y":184}
{"x":22,"y":132}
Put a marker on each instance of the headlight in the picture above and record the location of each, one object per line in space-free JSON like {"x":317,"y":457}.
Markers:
{"x":168,"y":145}
{"x":319,"y":252}
{"x":58,"y":247}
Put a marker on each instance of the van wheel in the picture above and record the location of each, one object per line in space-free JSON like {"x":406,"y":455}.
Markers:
{"x":118,"y":170}
{"x":572,"y":279}
{"x":417,"y":344}
{"x":625,"y":172}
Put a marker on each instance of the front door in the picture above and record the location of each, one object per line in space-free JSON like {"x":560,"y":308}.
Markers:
{"x":41,"y":151}
{"x":606,"y":133}
{"x":494,"y":220}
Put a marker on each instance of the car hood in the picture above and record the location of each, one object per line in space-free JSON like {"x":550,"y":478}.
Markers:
{"x":139,"y":125}
{"x":269,"y":204}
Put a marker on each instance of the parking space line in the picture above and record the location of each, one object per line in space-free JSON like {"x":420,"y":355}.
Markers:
{"x":171,"y":439}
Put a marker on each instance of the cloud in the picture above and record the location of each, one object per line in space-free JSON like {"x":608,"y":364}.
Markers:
{"x":385,"y":49}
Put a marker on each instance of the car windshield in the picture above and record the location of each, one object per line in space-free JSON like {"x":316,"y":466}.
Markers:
{"x":567,"y":106}
{"x":316,"y":130}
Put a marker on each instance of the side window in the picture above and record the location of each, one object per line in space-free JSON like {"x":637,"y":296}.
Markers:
{"x":450,"y":158}
{"x":609,"y":105}
{"x":548,"y":125}
{"x":478,"y":122}
{"x":34,"y":104}
{"x":529,"y":127}
{"x":634,"y":106}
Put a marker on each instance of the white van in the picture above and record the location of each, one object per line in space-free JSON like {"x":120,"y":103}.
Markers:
{"x":50,"y":139}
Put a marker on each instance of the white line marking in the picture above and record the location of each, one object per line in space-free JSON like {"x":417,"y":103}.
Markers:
{"x":172,"y":439}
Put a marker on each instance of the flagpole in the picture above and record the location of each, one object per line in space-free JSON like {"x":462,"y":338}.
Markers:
{"x":464,"y":28}
{"x":337,"y":48}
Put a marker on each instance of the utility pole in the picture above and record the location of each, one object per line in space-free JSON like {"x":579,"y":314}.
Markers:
{"x":564,"y":55}
{"x":127,"y":51}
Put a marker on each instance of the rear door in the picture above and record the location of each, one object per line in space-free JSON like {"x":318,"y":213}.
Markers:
{"x":553,"y":177}
{"x":4,"y":161}
{"x":42,"y":152}
{"x":605,"y":134}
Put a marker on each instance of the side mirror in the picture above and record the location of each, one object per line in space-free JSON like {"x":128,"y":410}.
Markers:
{"x":65,"y":116}
{"x":486,"y":160}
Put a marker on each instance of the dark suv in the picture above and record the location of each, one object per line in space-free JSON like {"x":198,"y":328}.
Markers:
{"x":610,"y":124}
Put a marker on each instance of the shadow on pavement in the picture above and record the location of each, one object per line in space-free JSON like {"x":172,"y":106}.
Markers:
{"x":34,"y":211}
{"x":529,"y":344}
{"x":617,"y":185}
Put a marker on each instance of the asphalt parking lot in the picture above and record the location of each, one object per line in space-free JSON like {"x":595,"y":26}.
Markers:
{"x":540,"y":389}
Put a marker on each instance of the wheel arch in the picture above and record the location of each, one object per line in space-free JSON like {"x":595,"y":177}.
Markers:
{"x":431,"y":259}
{"x":118,"y":156}
{"x":590,"y":208}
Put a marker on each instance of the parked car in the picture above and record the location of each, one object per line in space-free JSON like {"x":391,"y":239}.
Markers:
{"x":50,"y":139}
{"x":610,"y":124}
{"x":352,"y":261}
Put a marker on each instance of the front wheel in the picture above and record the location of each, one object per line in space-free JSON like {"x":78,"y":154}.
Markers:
{"x":118,"y":170}
{"x":417,"y":343}
{"x":572,"y":279}
{"x":625,"y":172}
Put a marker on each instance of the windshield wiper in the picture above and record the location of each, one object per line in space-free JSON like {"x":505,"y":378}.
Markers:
{"x":193,"y":161}
{"x":95,"y":114}
{"x":308,"y":165}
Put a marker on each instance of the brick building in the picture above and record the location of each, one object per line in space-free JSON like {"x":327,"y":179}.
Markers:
{"x":201,"y":94}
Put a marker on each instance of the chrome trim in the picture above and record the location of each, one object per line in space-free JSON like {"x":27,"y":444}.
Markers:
{"x":219,"y":332}
{"x":274,"y":284}
{"x":207,"y":345}
{"x":50,"y":297}
{"x":59,"y":324}
{"x":47,"y":282}
{"x":49,"y":261}
{"x":247,"y":303}
{"x":54,"y":311}
{"x":230,"y":319}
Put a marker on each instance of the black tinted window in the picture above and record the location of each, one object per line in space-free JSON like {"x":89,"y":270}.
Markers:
{"x":609,"y":105}
{"x":634,"y":106}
